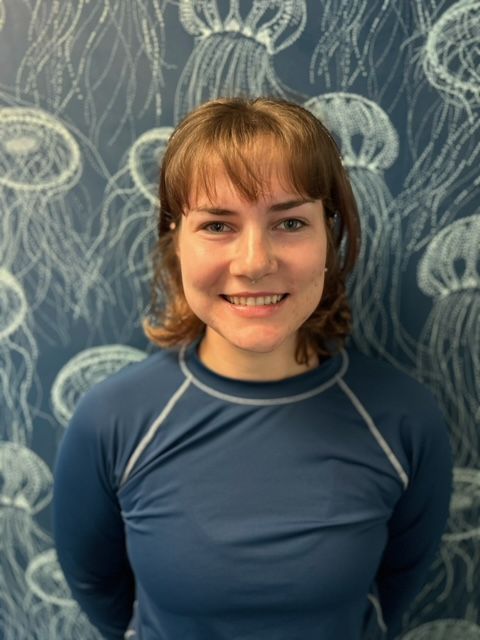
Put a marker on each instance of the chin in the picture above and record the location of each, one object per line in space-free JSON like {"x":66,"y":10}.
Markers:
{"x":258,"y":344}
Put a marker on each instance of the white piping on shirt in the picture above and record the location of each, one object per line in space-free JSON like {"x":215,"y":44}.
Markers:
{"x":394,"y":461}
{"x":264,"y":402}
{"x":148,"y":437}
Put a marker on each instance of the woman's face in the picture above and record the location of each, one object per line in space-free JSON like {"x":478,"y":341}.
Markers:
{"x":278,"y":241}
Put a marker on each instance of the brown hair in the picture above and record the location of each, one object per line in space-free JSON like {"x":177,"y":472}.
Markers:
{"x":228,"y":131}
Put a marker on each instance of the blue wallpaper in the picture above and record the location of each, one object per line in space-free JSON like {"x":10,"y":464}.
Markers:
{"x":89,"y":93}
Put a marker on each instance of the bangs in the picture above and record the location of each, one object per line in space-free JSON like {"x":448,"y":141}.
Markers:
{"x":250,"y":165}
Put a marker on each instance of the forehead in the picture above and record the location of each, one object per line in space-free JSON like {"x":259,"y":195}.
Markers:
{"x":246,"y":178}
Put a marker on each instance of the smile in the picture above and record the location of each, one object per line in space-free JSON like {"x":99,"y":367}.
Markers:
{"x":258,"y":301}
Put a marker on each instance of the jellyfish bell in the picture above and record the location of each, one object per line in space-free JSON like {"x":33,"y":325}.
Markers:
{"x":13,"y":304}
{"x":144,"y":161}
{"x":450,"y":262}
{"x":38,"y":153}
{"x":366,"y":134}
{"x":450,"y":59}
{"x":275,"y":24}
{"x":87,"y":368}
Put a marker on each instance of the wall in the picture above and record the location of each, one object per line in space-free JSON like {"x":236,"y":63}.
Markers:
{"x":89,"y":92}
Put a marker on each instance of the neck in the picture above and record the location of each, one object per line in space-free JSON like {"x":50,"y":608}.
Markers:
{"x":241,"y":364}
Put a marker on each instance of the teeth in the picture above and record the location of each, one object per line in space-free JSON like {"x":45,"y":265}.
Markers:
{"x":254,"y":302}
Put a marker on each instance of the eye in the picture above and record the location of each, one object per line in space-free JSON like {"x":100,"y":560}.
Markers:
{"x":292,"y":224}
{"x":215,"y":227}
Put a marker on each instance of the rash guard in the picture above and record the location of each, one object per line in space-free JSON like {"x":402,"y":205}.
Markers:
{"x":193,"y":506}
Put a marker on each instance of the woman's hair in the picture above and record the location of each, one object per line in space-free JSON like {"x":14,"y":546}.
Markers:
{"x":243,"y":137}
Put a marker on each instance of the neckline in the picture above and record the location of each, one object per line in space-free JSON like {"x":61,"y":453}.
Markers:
{"x":293,"y":389}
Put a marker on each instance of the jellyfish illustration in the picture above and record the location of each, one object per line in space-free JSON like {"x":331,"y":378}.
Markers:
{"x":53,"y":614}
{"x":351,"y":47}
{"x":45,"y":579}
{"x":233,"y":52}
{"x":452,"y":589}
{"x":13,"y":304}
{"x":450,"y":60}
{"x":25,"y":489}
{"x":447,"y":629}
{"x":40,"y":163}
{"x":38,"y":152}
{"x":369,"y":145}
{"x":443,"y":139}
{"x":83,"y":371}
{"x":128,"y":234}
{"x":460,"y":550}
{"x":449,"y":273}
{"x":66,"y":71}
{"x":18,"y":354}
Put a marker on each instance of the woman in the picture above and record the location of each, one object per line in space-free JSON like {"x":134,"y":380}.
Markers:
{"x":253,"y":479}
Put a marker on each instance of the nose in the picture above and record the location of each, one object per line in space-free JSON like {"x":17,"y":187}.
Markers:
{"x":254,"y":254}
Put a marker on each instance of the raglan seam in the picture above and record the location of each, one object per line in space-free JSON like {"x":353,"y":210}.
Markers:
{"x":374,"y":430}
{"x":152,"y":430}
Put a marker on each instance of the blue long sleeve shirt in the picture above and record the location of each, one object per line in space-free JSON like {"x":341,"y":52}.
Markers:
{"x":234,"y":510}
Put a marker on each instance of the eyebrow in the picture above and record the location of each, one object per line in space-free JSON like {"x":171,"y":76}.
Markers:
{"x":278,"y":206}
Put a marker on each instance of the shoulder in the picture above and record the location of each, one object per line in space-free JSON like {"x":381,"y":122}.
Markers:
{"x":384,"y":387}
{"x":404,"y":411}
{"x":137,"y":384}
{"x":114,"y":414}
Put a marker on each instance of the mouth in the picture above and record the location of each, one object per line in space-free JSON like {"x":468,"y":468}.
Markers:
{"x":257,"y":301}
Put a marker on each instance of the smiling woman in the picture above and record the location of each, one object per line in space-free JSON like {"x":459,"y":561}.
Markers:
{"x":255,"y":478}
{"x":247,"y":165}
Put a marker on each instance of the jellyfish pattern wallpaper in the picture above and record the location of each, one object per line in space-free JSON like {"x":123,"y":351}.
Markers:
{"x":89,"y":95}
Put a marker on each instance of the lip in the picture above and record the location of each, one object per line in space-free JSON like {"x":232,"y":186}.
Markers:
{"x":254,"y":294}
{"x":261,"y":311}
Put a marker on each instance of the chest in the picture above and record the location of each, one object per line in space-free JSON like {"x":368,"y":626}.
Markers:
{"x":263,"y":509}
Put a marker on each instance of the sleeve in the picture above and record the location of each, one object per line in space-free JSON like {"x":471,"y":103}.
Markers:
{"x":418,"y":521}
{"x":87,"y":523}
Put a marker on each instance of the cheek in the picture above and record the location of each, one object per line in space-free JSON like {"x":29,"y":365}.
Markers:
{"x":315,"y":281}
{"x":199,"y":271}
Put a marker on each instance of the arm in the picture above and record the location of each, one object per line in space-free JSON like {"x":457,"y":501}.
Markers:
{"x":418,"y":521}
{"x":88,"y":528}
